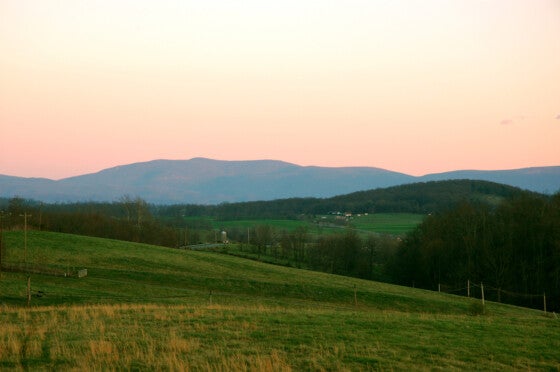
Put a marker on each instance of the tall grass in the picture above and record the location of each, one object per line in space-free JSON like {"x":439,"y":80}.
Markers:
{"x":258,"y":337}
{"x":149,"y":308}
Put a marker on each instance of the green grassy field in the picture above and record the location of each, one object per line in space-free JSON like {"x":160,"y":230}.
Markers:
{"x":387,"y":223}
{"x":279,"y":224}
{"x":383,"y":223}
{"x":143,"y":307}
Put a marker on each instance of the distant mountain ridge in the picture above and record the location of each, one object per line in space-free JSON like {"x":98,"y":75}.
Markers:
{"x":208,"y":181}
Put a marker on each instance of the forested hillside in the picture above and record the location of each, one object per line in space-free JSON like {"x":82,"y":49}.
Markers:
{"x":422,"y":197}
{"x":427,"y":197}
{"x":514,"y":249}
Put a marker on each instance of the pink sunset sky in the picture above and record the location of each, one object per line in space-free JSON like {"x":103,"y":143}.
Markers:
{"x":411,"y":86}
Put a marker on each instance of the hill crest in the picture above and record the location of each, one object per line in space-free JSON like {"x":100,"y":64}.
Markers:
{"x":209,"y":181}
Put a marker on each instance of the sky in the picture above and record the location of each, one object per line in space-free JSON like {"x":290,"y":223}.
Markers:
{"x":415,"y":86}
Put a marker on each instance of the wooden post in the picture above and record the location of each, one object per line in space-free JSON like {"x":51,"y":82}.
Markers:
{"x":210,"y":298}
{"x":482,"y":291}
{"x":355,"y":296}
{"x":25,"y":215}
{"x":439,"y":287}
{"x":544,"y":302}
{"x":25,"y":239}
{"x":468,"y":288}
{"x":28,"y":291}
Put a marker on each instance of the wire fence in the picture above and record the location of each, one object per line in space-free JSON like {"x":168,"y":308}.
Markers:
{"x":491,"y":293}
{"x":148,"y":293}
{"x":473,"y":290}
{"x":34,"y":268}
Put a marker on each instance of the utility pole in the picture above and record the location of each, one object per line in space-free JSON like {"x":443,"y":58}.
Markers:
{"x":1,"y":241}
{"x":25,"y":216}
{"x":2,"y":216}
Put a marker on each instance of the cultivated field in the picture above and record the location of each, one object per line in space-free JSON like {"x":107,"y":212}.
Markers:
{"x":143,"y":307}
{"x":383,"y":223}
{"x":387,"y":223}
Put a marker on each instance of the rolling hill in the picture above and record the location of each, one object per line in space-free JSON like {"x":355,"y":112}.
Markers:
{"x":419,"y":197}
{"x":144,"y":307}
{"x":207,"y":181}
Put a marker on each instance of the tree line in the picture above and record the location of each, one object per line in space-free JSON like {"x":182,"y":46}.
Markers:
{"x":513,"y":248}
{"x":346,"y":253}
{"x":128,"y":219}
{"x":421,"y":198}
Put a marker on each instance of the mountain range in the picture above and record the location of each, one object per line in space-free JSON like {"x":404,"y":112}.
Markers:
{"x":208,"y":181}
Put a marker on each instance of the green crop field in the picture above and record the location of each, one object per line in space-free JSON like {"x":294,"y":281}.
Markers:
{"x":143,"y":307}
{"x":383,"y":223}
{"x":387,"y":223}
{"x":287,"y":225}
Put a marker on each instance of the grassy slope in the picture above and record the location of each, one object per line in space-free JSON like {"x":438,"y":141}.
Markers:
{"x":155,"y":308}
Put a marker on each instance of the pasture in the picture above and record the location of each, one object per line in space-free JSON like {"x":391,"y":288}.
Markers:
{"x":387,"y":223}
{"x":145,"y":307}
{"x":381,"y":223}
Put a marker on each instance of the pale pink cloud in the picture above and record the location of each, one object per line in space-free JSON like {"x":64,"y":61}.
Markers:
{"x":513,"y":120}
{"x":507,"y":122}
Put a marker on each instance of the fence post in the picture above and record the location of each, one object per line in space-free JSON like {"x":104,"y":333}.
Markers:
{"x":439,"y":287}
{"x":544,"y":302}
{"x":28,"y":291}
{"x":482,"y":291}
{"x":468,"y":288}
